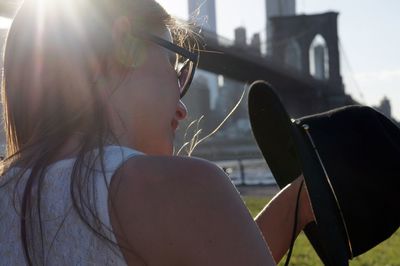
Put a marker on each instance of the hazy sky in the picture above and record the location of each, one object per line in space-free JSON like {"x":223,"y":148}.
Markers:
{"x":369,"y":31}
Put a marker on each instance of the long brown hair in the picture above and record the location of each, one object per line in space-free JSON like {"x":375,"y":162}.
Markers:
{"x":49,"y":92}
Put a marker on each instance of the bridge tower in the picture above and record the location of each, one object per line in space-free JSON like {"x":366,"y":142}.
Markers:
{"x":292,"y":39}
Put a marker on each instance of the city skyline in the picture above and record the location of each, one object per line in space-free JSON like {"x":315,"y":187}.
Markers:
{"x":370,"y":62}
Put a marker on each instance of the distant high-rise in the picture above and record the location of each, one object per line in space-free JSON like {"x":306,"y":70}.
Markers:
{"x":255,"y":43}
{"x":229,"y":95}
{"x":385,"y":107}
{"x":204,"y":13}
{"x":206,"y":18}
{"x":240,"y":37}
{"x":277,"y":8}
{"x":280,"y":8}
{"x":319,"y":62}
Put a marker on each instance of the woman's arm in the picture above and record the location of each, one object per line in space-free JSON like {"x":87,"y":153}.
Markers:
{"x":276,"y":219}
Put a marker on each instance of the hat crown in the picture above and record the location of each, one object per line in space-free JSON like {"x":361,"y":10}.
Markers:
{"x":360,"y":149}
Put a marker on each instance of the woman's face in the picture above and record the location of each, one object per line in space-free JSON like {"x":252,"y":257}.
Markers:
{"x":147,"y":106}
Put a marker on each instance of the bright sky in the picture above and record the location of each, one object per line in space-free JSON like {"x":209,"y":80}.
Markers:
{"x":4,"y":23}
{"x":368,"y":29}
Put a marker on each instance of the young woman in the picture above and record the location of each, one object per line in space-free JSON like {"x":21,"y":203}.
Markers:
{"x":92,"y":98}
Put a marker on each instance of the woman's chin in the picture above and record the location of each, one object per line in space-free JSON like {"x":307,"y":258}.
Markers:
{"x":166,"y":149}
{"x":170,"y":150}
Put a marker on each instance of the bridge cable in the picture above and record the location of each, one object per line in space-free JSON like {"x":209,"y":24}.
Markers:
{"x":351,"y":72}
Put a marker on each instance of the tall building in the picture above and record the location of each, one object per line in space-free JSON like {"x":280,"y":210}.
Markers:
{"x":255,"y":44}
{"x":229,"y":95}
{"x":240,"y":37}
{"x":204,"y":13}
{"x":385,"y":107}
{"x":320,"y":62}
{"x":278,"y":8}
{"x":206,"y":17}
{"x":197,"y":100}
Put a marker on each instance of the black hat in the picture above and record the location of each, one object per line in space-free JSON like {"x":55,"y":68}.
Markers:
{"x":350,"y":160}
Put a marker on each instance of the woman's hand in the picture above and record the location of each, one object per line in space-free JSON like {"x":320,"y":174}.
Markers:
{"x":276,"y":219}
{"x":306,"y":214}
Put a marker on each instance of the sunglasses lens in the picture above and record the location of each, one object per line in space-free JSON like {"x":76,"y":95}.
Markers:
{"x":184,"y":76}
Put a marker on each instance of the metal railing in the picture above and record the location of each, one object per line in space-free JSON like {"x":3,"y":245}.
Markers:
{"x":248,"y":172}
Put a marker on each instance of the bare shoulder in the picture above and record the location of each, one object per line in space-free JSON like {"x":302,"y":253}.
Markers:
{"x":170,"y":174}
{"x":174,"y":167}
{"x":168,"y":166}
{"x":182,"y":211}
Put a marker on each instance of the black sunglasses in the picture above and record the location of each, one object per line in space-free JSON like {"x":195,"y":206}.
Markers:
{"x":185,"y":70}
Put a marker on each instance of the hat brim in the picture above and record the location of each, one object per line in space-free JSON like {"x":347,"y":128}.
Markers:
{"x":289,"y":153}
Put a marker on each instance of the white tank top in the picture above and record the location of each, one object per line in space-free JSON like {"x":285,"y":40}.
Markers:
{"x":75,"y":243}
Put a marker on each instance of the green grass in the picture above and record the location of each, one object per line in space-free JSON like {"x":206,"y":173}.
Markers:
{"x":385,"y":254}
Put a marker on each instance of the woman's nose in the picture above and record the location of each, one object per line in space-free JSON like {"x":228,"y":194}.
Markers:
{"x":181,"y":111}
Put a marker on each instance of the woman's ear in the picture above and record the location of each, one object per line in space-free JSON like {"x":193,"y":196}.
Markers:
{"x":121,"y":28}
{"x":121,"y":34}
{"x":128,"y":50}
